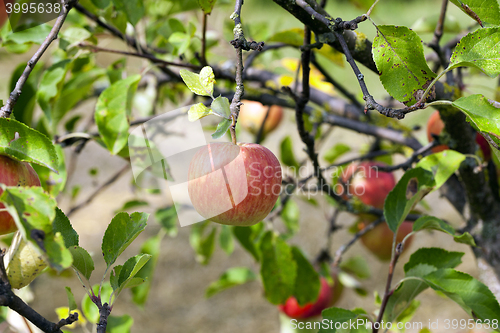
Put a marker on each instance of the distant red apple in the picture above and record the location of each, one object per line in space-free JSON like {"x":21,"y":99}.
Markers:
{"x":379,"y":239}
{"x":252,"y":115}
{"x":14,"y":173}
{"x":435,"y":125}
{"x":365,"y":181}
{"x":328,"y":295}
{"x":234,"y":184}
{"x":3,"y":12}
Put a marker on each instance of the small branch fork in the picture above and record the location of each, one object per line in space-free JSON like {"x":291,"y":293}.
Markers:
{"x":240,"y":43}
{"x":337,"y":26}
{"x":7,"y":109}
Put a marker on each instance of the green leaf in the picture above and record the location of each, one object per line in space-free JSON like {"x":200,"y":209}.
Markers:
{"x":74,"y":91}
{"x":33,"y":211}
{"x":220,"y":107}
{"x":442,"y":165}
{"x":129,"y":270}
{"x":335,"y":317}
{"x":180,"y":41}
{"x":278,"y":269}
{"x":465,"y":238}
{"x":291,"y":215}
{"x":234,"y":276}
{"x":134,"y":9}
{"x":248,"y":238}
{"x":286,"y":153}
{"x":428,"y":24}
{"x":411,"y":188}
{"x":472,"y":295}
{"x":422,"y":262}
{"x":51,"y":86}
{"x":82,"y":261}
{"x":27,"y":145}
{"x":152,"y":247}
{"x":480,"y":49}
{"x":399,"y":56}
{"x":198,"y":111}
{"x":122,"y":324}
{"x":203,"y":245}
{"x":294,"y":37}
{"x":201,"y":84}
{"x":487,"y":10}
{"x":356,"y":265}
{"x":307,"y":283}
{"x":112,"y":108}
{"x":481,"y":113}
{"x":226,"y":239}
{"x":62,"y":224}
{"x":436,"y":257}
{"x":23,"y":110}
{"x":207,"y":5}
{"x":71,"y":299}
{"x":167,"y":217}
{"x":222,"y":128}
{"x":434,"y":223}
{"x":132,"y":204}
{"x":122,"y":230}
{"x":101,"y":4}
{"x":335,"y":152}
{"x":34,"y":35}
{"x":53,"y":182}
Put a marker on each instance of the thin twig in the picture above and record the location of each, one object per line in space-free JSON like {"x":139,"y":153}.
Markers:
{"x":260,"y":133}
{"x":7,"y":109}
{"x":99,"y":190}
{"x":388,"y":292}
{"x":336,"y":84}
{"x":358,"y":235}
{"x":95,"y":48}
{"x":240,"y":43}
{"x":203,"y":56}
{"x":129,"y":40}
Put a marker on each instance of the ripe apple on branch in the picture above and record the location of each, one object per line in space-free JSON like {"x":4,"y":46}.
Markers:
{"x":14,"y":173}
{"x":371,"y":186}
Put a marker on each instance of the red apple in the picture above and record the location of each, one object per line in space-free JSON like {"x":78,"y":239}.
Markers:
{"x":365,"y":181}
{"x":14,"y":173}
{"x":3,"y":11}
{"x":252,"y":115}
{"x":379,"y":239}
{"x":234,"y":184}
{"x":328,"y":295}
{"x":435,"y":125}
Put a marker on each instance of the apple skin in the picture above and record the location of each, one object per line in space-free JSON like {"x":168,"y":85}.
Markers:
{"x":250,"y":171}
{"x":379,"y":239}
{"x":3,"y":12}
{"x":252,"y":115}
{"x":14,"y":173}
{"x":364,"y":181}
{"x":435,"y":125}
{"x":328,"y":295}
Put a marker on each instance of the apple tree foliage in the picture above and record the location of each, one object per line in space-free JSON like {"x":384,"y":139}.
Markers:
{"x":182,"y":64}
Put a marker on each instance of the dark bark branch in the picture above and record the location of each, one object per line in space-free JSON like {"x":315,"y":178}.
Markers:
{"x":7,"y":109}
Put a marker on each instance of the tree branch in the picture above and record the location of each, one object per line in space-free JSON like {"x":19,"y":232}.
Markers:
{"x":7,"y":109}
